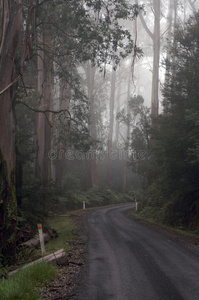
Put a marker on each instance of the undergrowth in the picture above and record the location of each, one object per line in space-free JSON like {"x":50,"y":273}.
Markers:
{"x":148,"y":217}
{"x":94,"y":197}
{"x":23,"y":285}
{"x":65,"y":229}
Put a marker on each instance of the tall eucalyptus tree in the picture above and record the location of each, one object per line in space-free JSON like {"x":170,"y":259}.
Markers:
{"x":155,"y":37}
{"x":10,"y":36}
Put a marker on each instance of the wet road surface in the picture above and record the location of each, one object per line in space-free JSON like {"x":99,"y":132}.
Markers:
{"x":129,"y":261}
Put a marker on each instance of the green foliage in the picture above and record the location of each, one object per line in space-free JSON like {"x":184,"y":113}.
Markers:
{"x":61,"y":225}
{"x":94,"y":27}
{"x":105,"y":197}
{"x":26,"y":255}
{"x":22,"y":285}
{"x":38,"y":199}
{"x":152,"y":203}
{"x":140,"y":152}
{"x":139,"y":121}
{"x":172,"y":196}
{"x":93,"y":198}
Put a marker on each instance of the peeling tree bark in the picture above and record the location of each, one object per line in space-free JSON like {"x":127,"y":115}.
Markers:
{"x":11,"y":26}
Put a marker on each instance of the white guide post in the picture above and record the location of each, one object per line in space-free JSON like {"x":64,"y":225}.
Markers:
{"x":136,"y":206}
{"x":84,"y":204}
{"x":41,"y":238}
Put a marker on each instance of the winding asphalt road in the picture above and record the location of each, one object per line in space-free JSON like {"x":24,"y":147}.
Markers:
{"x":129,"y":261}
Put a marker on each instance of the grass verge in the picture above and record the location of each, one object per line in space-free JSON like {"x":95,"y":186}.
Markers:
{"x":24,"y":284}
{"x":65,"y":228}
{"x":183,"y":233}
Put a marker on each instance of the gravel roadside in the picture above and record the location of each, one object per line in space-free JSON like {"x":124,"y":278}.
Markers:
{"x":63,"y":286}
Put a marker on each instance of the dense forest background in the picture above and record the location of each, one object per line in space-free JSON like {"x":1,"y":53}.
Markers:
{"x":98,"y":103}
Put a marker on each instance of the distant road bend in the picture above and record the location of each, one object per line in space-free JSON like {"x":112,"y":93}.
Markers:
{"x":129,"y":261}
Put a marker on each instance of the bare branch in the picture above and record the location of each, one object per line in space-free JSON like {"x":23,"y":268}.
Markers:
{"x":12,"y":83}
{"x":144,"y":24}
{"x":46,"y":110}
{"x":192,"y":4}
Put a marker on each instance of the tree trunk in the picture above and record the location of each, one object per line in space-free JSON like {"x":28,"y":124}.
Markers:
{"x":117,"y":127}
{"x":90,"y":74}
{"x":155,"y":36}
{"x":156,"y":60}
{"x":127,"y":138}
{"x":48,"y":93}
{"x":111,"y":123}
{"x":11,"y":26}
{"x":171,"y":56}
{"x":43,"y":129}
{"x":63,"y":104}
{"x":170,"y":23}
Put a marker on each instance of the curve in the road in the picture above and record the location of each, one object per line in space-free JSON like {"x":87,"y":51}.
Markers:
{"x":129,"y":261}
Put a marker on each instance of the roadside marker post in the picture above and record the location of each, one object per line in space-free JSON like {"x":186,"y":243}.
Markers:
{"x":136,"y":206}
{"x":41,"y":239}
{"x":84,"y":205}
